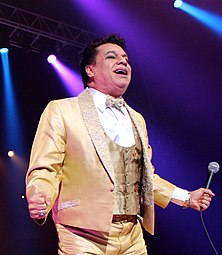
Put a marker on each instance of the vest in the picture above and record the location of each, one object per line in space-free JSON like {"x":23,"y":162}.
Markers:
{"x":127,"y":164}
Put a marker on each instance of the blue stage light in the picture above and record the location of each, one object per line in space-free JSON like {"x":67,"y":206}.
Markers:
{"x":178,"y":3}
{"x":211,"y":20}
{"x":3,"y":50}
{"x":12,"y":125}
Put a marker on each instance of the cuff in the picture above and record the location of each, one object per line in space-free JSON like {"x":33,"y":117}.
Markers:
{"x":181,"y":197}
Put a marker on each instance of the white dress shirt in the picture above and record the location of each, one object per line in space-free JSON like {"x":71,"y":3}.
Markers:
{"x":116,"y":123}
{"x":118,"y":126}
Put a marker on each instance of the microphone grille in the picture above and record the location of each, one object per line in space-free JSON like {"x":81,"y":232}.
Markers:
{"x":213,"y":167}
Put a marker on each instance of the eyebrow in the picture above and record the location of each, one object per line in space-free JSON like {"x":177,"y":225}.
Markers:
{"x":114,"y":52}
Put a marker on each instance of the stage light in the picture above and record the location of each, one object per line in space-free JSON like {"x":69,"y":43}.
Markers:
{"x":12,"y":127}
{"x":11,"y":154}
{"x":51,"y":59}
{"x":178,"y":3}
{"x":3,"y":50}
{"x":211,"y":20}
{"x":71,"y":79}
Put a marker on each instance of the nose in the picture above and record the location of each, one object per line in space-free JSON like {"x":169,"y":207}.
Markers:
{"x":122,"y":60}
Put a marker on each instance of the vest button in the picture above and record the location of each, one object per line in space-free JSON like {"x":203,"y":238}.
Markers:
{"x":112,"y":188}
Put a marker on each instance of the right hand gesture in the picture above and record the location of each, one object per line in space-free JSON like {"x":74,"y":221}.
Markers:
{"x":38,"y":204}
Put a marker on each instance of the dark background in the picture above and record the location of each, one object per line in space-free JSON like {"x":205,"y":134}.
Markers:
{"x":176,"y":85}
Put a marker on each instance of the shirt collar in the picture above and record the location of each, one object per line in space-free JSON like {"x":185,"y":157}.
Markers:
{"x":99,"y":99}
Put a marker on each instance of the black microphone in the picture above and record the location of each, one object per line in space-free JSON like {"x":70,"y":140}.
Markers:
{"x":213,"y":168}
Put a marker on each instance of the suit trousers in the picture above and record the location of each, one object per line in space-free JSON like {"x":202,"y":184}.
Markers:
{"x":124,"y":238}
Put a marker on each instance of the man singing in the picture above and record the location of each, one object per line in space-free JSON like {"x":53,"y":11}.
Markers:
{"x":91,"y":163}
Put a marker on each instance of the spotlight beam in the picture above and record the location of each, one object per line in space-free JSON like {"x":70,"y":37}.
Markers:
{"x":209,"y":19}
{"x":13,"y":134}
{"x":71,"y":80}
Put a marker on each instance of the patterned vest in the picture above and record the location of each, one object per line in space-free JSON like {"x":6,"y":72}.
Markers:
{"x":127,"y":164}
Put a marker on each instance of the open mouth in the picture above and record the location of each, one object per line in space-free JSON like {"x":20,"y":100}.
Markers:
{"x":121,"y":71}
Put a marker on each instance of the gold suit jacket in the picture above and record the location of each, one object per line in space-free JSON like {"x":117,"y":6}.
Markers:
{"x":70,"y":161}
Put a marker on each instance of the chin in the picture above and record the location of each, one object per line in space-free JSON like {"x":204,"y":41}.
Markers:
{"x":123,"y":88}
{"x":119,"y":92}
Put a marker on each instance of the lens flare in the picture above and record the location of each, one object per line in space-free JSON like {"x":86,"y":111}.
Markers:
{"x":11,"y":154}
{"x":51,"y":59}
{"x":178,"y":3}
{"x":3,"y":50}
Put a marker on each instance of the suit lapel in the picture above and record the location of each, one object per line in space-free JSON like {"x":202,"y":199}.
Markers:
{"x":95,"y":130}
{"x":147,"y":176}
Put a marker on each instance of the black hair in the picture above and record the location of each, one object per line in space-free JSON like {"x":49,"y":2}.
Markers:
{"x":90,"y":52}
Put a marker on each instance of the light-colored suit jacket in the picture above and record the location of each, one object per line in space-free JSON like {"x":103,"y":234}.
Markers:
{"x":70,"y":161}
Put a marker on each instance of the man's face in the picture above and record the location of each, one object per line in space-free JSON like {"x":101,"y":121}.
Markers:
{"x":110,"y":73}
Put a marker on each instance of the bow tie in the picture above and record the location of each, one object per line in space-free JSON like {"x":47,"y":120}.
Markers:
{"x":114,"y":102}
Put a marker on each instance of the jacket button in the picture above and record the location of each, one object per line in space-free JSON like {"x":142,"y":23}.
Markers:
{"x":112,"y":188}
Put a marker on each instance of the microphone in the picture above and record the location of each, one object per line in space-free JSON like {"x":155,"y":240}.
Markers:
{"x":213,"y":168}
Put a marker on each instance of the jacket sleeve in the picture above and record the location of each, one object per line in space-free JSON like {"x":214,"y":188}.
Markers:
{"x":163,"y":191}
{"x":47,"y":154}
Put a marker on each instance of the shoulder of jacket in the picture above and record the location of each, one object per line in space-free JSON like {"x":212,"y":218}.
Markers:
{"x":63,"y":101}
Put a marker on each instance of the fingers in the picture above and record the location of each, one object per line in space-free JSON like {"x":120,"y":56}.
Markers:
{"x":209,"y":192}
{"x":38,"y":205}
{"x":205,"y":199}
{"x":48,"y":200}
{"x":204,"y":203}
{"x":201,"y":198}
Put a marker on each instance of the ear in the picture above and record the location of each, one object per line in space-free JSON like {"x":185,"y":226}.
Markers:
{"x":89,"y":70}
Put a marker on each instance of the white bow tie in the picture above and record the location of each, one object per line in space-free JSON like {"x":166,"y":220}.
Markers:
{"x":114,"y":102}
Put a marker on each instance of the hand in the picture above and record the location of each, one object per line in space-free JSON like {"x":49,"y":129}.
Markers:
{"x":38,"y":204}
{"x":200,"y":199}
